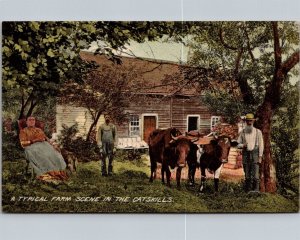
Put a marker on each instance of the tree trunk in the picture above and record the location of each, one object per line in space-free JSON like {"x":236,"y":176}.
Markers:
{"x":266,"y":110}
{"x":24,"y":105}
{"x":31,"y":108}
{"x":268,"y":170}
{"x":93,"y":125}
{"x":22,"y":112}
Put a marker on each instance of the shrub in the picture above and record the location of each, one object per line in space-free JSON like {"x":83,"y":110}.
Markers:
{"x":84,"y":150}
{"x":11,"y":148}
{"x":285,"y":141}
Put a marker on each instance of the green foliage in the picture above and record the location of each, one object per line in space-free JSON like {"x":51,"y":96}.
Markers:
{"x":238,"y":58}
{"x":285,"y":140}
{"x":84,"y":151}
{"x":11,"y":148}
{"x":46,"y":112}
{"x":226,"y":105}
{"x":104,"y":91}
{"x":38,"y":57}
{"x":42,"y":54}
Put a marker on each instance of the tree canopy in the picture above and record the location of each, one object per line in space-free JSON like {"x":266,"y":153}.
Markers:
{"x":256,"y":59}
{"x":106,"y":90}
{"x":242,"y":55}
{"x":40,"y":56}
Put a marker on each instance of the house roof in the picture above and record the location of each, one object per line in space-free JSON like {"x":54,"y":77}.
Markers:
{"x":160,"y":77}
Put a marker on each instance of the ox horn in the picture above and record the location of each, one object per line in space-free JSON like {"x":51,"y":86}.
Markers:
{"x":208,"y":135}
{"x":174,"y":138}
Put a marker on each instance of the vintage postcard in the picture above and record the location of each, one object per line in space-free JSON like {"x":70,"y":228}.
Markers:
{"x":150,"y":117}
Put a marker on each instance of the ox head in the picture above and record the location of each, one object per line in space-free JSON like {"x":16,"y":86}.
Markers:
{"x":174,"y":132}
{"x":217,"y":145}
{"x":183,"y":149}
{"x":225,"y":143}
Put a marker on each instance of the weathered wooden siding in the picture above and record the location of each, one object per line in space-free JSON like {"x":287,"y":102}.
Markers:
{"x":70,"y":115}
{"x":182,"y":107}
{"x":123,"y":130}
{"x":152,"y":106}
{"x":170,"y":112}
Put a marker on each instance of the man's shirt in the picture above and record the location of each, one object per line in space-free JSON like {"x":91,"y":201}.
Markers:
{"x":252,"y":139}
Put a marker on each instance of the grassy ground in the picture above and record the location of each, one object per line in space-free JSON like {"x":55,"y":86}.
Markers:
{"x":129,"y":191}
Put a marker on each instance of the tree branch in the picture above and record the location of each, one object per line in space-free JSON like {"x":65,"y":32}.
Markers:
{"x":277,"y":48}
{"x":242,"y":82}
{"x":290,"y":62}
{"x":221,"y":33}
{"x":32,"y":106}
{"x":248,"y":46}
{"x":237,"y":61}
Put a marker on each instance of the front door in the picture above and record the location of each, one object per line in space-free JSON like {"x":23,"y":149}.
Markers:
{"x":149,"y":126}
{"x":193,"y":123}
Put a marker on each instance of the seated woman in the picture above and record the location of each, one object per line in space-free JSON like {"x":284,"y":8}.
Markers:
{"x":47,"y":163}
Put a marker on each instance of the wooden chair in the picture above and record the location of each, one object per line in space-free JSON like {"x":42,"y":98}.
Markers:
{"x":22,"y":124}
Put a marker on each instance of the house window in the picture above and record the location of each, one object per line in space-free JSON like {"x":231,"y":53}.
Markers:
{"x":134,"y":126}
{"x":214,"y":121}
{"x":193,"y":122}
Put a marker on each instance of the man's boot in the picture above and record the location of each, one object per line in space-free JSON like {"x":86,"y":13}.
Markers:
{"x":110,"y":170}
{"x":247,"y":185}
{"x":256,"y":185}
{"x":104,"y":172}
{"x":103,"y":167}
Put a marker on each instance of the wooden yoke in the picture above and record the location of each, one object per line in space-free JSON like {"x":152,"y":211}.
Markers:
{"x":202,"y":139}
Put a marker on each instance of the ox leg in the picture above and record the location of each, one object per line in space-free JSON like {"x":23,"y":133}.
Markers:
{"x":153,"y":171}
{"x":168,"y":173}
{"x":178,"y":176}
{"x":216,"y":178}
{"x":163,"y":174}
{"x":216,"y":182}
{"x":202,"y":181}
{"x":192,"y":171}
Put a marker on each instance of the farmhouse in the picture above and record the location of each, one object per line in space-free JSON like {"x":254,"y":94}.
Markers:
{"x":164,"y":102}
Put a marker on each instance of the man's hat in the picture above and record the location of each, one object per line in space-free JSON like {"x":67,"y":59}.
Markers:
{"x":250,"y":116}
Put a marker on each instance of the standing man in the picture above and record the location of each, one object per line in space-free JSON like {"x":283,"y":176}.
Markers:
{"x":252,"y":143}
{"x":106,"y":142}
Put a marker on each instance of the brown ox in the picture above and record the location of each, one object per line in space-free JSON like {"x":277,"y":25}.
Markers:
{"x":184,"y":151}
{"x":159,"y":145}
{"x":171,"y":150}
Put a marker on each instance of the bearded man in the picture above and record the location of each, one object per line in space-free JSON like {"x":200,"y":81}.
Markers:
{"x":252,"y":143}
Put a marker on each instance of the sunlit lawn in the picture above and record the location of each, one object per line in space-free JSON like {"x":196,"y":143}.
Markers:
{"x":128,"y":190}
